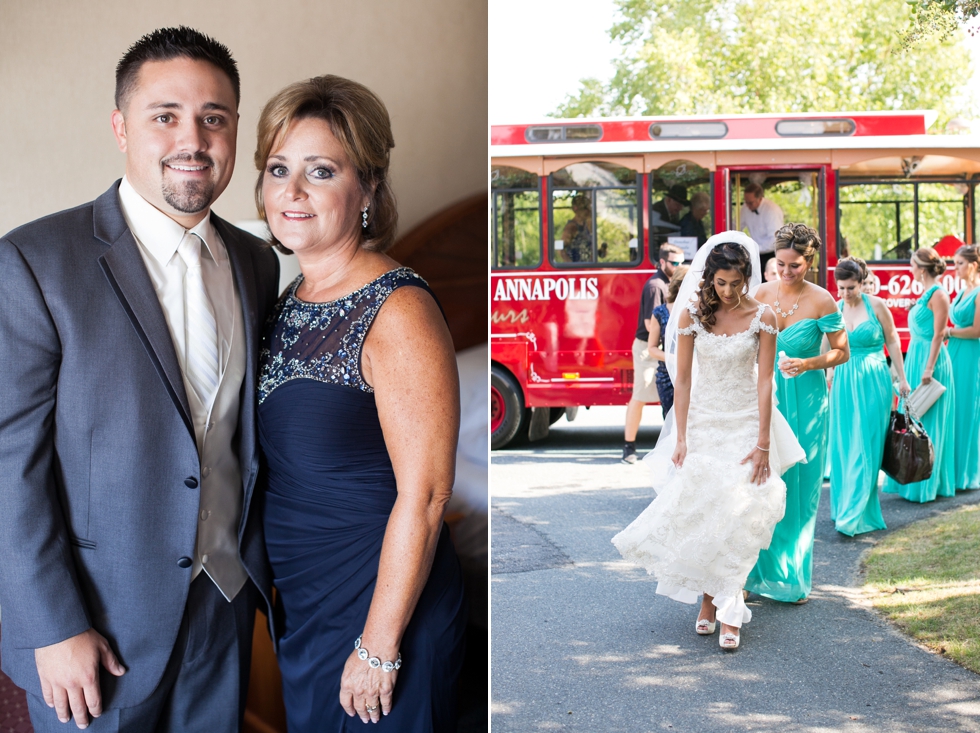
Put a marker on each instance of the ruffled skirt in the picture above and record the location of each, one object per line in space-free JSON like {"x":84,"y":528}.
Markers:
{"x":704,"y":531}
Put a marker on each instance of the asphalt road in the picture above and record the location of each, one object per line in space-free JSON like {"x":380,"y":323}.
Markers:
{"x":580,"y":641}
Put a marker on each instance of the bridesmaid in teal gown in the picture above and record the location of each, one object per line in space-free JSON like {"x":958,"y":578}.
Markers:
{"x":783,"y":571}
{"x":964,"y":354}
{"x":927,"y":359}
{"x":861,"y":396}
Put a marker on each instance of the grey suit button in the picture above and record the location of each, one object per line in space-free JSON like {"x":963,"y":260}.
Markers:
{"x":190,"y":482}
{"x":184,"y":562}
{"x":206,"y":471}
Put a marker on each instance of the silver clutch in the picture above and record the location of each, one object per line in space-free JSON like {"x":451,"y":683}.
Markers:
{"x":924,"y":396}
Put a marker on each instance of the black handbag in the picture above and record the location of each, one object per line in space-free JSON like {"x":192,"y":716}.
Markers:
{"x":909,"y":455}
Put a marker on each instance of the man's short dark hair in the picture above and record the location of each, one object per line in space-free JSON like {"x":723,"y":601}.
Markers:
{"x":755,"y":189}
{"x":165,"y":44}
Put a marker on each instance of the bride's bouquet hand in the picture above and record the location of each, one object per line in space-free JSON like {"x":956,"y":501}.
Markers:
{"x":760,"y":465}
{"x":680,"y":453}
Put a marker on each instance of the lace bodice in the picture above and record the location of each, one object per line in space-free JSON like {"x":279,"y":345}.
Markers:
{"x":727,"y":364}
{"x":323,"y":341}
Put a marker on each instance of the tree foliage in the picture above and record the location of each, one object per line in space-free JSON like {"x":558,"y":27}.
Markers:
{"x":683,"y":57}
{"x":931,"y":18}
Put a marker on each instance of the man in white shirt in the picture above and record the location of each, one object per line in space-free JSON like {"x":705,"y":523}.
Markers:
{"x":762,"y":217}
{"x":132,"y":564}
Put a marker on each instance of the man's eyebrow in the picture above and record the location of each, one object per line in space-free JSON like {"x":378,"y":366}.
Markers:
{"x":208,"y":106}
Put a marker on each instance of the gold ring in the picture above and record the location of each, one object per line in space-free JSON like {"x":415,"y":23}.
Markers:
{"x":370,"y":709}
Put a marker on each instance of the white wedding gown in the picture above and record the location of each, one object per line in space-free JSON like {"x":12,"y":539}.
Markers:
{"x":704,"y":531}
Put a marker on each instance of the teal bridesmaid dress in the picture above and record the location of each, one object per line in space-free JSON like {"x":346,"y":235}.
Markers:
{"x":783,"y":572}
{"x":938,"y":421}
{"x":861,"y":400}
{"x":964,"y":354}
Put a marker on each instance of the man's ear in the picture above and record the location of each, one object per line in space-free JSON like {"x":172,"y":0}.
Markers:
{"x":119,"y":129}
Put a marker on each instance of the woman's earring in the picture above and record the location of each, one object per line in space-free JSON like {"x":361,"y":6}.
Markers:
{"x":364,"y":217}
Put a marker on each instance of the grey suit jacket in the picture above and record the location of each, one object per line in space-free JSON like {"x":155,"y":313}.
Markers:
{"x":98,"y":461}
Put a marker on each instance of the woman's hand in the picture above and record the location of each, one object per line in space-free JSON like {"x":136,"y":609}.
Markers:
{"x":680,"y":453}
{"x":791,"y":367}
{"x":760,"y":464}
{"x":903,"y":388}
{"x":363,"y":686}
{"x":927,"y":376}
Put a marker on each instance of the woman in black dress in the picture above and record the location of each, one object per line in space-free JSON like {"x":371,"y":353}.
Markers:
{"x":358,"y":421}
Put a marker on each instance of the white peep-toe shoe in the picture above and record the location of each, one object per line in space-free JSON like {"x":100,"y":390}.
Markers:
{"x":704,"y":627}
{"x":728,"y":642}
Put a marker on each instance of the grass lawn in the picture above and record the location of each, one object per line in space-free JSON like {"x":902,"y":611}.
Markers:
{"x":926,"y":579}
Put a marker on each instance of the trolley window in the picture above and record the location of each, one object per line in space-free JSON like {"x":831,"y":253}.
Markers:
{"x":680,"y":207}
{"x":887,"y":220}
{"x":594,"y":215}
{"x":516,"y":212}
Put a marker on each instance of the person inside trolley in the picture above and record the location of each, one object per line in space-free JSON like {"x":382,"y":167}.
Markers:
{"x":666,"y":216}
{"x":577,"y":234}
{"x":762,"y":217}
{"x":692,"y":223}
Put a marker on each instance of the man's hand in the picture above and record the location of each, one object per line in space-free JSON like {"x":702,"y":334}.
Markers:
{"x":69,"y":672}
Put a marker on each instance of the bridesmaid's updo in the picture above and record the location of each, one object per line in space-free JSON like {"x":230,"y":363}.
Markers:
{"x":970,"y":253}
{"x":725,"y":256}
{"x":929,"y":260}
{"x":851,"y":268}
{"x":801,"y":239}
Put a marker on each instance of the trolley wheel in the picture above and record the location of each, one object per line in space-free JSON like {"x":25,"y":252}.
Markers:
{"x":509,"y":419}
{"x":556,"y":414}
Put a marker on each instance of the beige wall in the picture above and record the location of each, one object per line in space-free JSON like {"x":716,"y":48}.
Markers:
{"x":427,"y":59}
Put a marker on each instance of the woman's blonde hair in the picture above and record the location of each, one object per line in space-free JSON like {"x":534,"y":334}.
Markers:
{"x":360,"y":122}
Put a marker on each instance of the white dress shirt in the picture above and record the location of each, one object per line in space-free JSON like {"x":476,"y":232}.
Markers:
{"x":216,"y":423}
{"x":763,"y":223}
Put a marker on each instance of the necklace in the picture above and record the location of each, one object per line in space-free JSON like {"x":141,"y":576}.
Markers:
{"x":791,"y":310}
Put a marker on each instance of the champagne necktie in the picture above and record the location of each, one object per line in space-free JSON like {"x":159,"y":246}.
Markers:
{"x":200,"y":329}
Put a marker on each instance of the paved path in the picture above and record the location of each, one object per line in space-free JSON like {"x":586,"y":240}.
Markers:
{"x":582,"y":643}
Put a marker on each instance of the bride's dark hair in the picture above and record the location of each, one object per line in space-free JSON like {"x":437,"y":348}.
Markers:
{"x":725,"y":256}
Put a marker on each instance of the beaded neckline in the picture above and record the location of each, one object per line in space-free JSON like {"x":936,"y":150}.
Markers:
{"x":323,"y":341}
{"x":291,"y":293}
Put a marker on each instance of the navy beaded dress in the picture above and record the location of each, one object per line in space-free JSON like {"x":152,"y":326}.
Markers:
{"x":329,"y":490}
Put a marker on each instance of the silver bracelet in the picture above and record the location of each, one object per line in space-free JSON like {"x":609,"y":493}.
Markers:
{"x":764,"y":450}
{"x":374,"y":662}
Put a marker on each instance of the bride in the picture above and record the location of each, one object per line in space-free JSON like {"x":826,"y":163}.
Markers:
{"x":718,"y":461}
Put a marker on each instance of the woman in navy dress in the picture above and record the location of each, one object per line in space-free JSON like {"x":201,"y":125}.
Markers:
{"x":358,"y":421}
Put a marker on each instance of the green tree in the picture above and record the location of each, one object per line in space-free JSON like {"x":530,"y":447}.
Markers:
{"x":940,"y":18}
{"x":740,"y":56}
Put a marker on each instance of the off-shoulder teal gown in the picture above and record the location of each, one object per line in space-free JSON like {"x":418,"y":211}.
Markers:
{"x":861,"y":397}
{"x":783,"y":572}
{"x":938,"y":421}
{"x":964,"y":355}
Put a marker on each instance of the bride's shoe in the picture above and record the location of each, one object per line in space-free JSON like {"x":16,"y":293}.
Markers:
{"x":704,"y":627}
{"x":728,"y":642}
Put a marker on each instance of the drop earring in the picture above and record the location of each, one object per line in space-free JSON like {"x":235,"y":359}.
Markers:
{"x":364,"y":212}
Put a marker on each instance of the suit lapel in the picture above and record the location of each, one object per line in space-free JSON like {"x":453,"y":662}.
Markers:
{"x":123,"y":266}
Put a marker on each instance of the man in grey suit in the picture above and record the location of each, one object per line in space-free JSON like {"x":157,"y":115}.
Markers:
{"x":131,"y":550}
